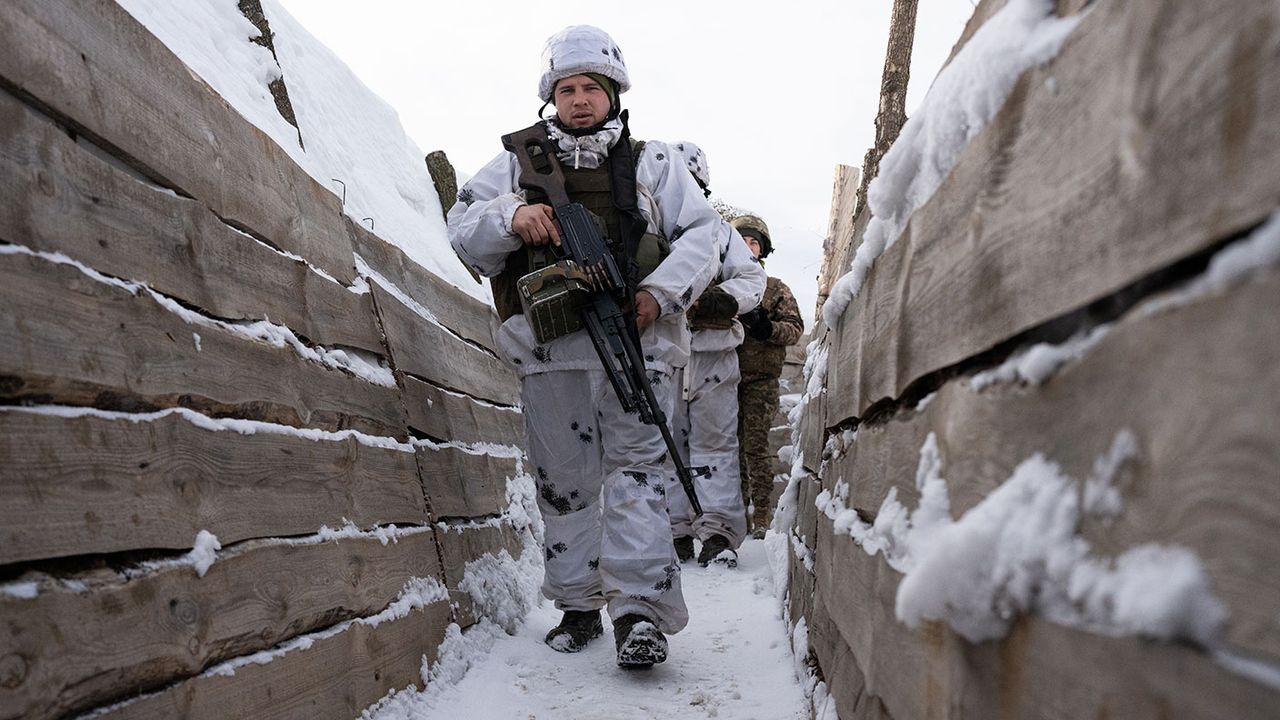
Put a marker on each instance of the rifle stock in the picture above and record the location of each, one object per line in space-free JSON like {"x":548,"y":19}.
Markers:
{"x":613,"y":333}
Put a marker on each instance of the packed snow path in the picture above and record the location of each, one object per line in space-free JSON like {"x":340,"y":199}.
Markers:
{"x":732,"y":662}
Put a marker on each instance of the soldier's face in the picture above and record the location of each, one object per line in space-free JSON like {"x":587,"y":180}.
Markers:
{"x":580,"y":101}
{"x":754,"y":244}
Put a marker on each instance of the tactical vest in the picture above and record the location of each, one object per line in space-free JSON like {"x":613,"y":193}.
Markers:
{"x":759,"y":359}
{"x":591,"y":188}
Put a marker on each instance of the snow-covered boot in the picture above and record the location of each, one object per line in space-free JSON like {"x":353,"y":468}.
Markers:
{"x":640,"y":644}
{"x":716,"y":549}
{"x":575,"y":630}
{"x":684,"y":548}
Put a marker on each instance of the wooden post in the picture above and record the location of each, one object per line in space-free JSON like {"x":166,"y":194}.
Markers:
{"x":445,"y":178}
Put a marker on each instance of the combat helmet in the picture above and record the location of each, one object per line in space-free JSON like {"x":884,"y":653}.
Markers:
{"x":754,"y":226}
{"x":696,"y":161}
{"x":578,"y":50}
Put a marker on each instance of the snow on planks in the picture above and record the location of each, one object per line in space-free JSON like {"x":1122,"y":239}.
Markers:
{"x":99,"y":70}
{"x":61,"y":196}
{"x":1143,"y":142}
{"x":88,"y":485}
{"x":154,"y":628}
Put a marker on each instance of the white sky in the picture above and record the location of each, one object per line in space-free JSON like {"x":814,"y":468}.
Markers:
{"x":776,"y":93}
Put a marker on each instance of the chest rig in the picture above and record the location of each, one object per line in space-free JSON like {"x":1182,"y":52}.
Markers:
{"x":531,"y":283}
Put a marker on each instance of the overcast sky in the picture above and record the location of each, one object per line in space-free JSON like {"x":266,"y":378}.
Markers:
{"x":776,"y":93}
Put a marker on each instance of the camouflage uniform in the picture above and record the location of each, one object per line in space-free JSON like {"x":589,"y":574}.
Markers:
{"x":760,"y":363}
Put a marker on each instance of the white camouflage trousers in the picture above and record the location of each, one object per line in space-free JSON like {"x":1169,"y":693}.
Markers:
{"x":706,"y":430}
{"x":599,"y":473}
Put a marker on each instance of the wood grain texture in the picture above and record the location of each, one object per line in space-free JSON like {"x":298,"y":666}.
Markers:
{"x":443,"y":414}
{"x":461,"y":484}
{"x":1144,"y":142}
{"x":422,"y":348}
{"x":63,"y":198}
{"x":79,"y":649}
{"x":96,"y":67}
{"x":74,"y":340}
{"x":840,"y":240}
{"x":470,"y":318}
{"x":82,"y":486}
{"x":931,"y":672}
{"x":460,"y":545}
{"x":336,"y":677}
{"x":1199,"y":386}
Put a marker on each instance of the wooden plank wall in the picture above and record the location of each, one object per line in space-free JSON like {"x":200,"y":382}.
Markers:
{"x":188,"y":346}
{"x":1102,"y":188}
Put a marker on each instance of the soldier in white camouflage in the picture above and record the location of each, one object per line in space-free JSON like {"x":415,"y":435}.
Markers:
{"x":770,"y":328}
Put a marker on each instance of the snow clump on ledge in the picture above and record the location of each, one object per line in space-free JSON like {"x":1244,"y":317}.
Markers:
{"x":1018,"y":551}
{"x":964,"y":97}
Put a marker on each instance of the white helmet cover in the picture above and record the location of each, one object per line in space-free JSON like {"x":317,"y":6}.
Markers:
{"x":696,"y":160}
{"x":580,"y":49}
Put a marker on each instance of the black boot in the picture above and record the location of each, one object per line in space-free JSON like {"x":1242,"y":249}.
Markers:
{"x":640,"y":644}
{"x":575,"y":630}
{"x":716,"y":549}
{"x":684,"y":548}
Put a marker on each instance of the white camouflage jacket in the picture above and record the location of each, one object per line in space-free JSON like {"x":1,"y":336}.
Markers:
{"x":669,"y":199}
{"x":744,"y":279}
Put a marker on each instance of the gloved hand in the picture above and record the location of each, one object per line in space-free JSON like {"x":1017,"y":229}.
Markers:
{"x":757,"y":323}
{"x":715,"y":304}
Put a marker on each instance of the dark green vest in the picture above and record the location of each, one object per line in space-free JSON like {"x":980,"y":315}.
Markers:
{"x":591,"y":188}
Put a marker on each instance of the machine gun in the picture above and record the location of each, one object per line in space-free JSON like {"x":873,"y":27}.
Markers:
{"x":587,"y":255}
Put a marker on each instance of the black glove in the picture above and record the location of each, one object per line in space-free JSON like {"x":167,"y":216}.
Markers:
{"x":715,"y":304}
{"x":757,"y":323}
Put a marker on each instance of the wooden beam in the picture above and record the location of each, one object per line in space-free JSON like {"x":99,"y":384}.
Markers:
{"x":932,"y":672}
{"x":1098,"y":171}
{"x":80,"y":648}
{"x":64,"y":198}
{"x":460,"y":545}
{"x":89,"y":485}
{"x":443,"y":414}
{"x":99,"y":70}
{"x":1198,"y":387}
{"x":75,"y":340}
{"x":470,"y":318}
{"x":336,"y":677}
{"x":427,"y":350}
{"x":461,"y":484}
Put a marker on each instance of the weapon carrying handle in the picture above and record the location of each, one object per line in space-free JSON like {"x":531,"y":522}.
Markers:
{"x":551,"y":180}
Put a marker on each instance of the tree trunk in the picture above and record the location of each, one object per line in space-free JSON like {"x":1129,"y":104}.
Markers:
{"x":893,"y":90}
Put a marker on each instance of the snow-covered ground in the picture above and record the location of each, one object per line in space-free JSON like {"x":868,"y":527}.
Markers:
{"x":732,"y":662}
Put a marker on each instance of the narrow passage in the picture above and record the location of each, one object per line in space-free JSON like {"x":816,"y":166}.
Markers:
{"x":732,"y":662}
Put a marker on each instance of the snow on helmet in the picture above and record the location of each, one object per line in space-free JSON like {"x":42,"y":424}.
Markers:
{"x":753,"y":225}
{"x":577,"y":50}
{"x":696,"y":160}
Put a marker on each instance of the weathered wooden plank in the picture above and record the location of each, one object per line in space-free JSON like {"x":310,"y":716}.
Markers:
{"x":461,"y":484}
{"x":846,"y":685}
{"x":460,"y":545}
{"x":838,"y":245}
{"x":422,"y":348}
{"x":1199,"y":386}
{"x":98,"y":68}
{"x":80,"y":341}
{"x":455,"y":309}
{"x":450,"y":416}
{"x":335,"y":677}
{"x":91,"y":485}
{"x":932,"y":672}
{"x":1143,"y":142}
{"x":800,"y":589}
{"x":63,"y":198}
{"x":148,"y":631}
